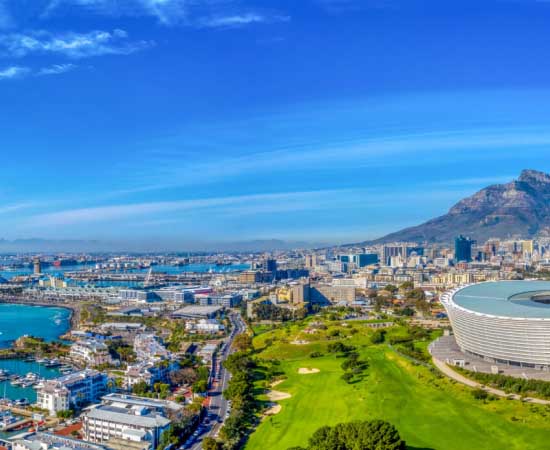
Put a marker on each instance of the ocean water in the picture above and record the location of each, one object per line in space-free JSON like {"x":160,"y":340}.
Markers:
{"x":18,"y":320}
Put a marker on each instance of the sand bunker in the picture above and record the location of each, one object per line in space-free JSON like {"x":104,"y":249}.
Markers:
{"x":299,"y":342}
{"x":275,"y":383}
{"x":277,"y":395}
{"x":273,"y":409}
{"x":306,"y":371}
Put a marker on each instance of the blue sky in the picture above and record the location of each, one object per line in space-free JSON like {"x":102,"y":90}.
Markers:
{"x":221,"y":120}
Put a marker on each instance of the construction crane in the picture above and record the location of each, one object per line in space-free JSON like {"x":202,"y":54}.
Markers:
{"x":148,"y":277}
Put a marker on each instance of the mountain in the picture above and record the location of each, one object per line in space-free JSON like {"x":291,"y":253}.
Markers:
{"x":518,"y":209}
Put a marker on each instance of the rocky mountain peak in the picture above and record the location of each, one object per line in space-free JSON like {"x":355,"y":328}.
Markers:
{"x":534,"y":177}
{"x":519,"y":209}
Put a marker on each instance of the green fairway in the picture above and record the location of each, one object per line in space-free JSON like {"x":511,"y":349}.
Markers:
{"x":430,"y":412}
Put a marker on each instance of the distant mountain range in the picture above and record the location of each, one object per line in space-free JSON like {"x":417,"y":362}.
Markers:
{"x":519,"y":209}
{"x":145,"y":246}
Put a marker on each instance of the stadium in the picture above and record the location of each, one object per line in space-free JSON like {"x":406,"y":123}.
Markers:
{"x":506,"y":322}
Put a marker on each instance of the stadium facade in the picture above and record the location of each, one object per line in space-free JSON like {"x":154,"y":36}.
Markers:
{"x":506,"y":322}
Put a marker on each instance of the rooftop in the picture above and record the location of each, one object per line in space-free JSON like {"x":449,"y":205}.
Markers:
{"x":516,"y":299}
{"x":197,"y":311}
{"x":40,"y":441}
{"x":125,"y":416}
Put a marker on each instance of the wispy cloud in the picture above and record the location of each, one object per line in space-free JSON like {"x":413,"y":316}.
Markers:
{"x":239,"y":20}
{"x":16,"y":72}
{"x":56,"y":69}
{"x":72,"y":45}
{"x":167,"y":12}
{"x":286,"y":201}
{"x":201,"y":13}
{"x":7,"y":209}
{"x":374,"y":152}
{"x":13,"y":72}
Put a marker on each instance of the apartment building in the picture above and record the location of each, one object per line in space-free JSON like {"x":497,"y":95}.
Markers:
{"x":71,"y":391}
{"x":90,"y":352}
{"x":130,"y":418}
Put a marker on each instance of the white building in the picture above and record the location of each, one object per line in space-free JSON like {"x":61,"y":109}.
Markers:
{"x":358,"y":282}
{"x":149,"y":346}
{"x":90,"y":352}
{"x":47,"y":441}
{"x":204,"y":326}
{"x":131,"y":418}
{"x":70,"y":391}
{"x":149,"y":372}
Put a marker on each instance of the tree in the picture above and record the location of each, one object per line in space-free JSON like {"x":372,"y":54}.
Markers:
{"x":378,"y":337}
{"x":422,"y":306}
{"x":379,"y":302}
{"x":391,"y":288}
{"x":366,"y":435}
{"x":187,"y":375}
{"x":169,"y":437}
{"x":140,"y":388}
{"x":200,"y":386}
{"x":234,"y":429}
{"x":66,"y":414}
{"x":347,"y":377}
{"x":209,"y":443}
{"x":417,"y":294}
{"x":242,"y":342}
{"x":480,"y":394}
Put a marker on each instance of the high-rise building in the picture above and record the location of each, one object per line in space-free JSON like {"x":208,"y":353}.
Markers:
{"x":463,"y":249}
{"x":365,"y":259}
{"x":311,"y":261}
{"x":37,"y":266}
{"x":269,"y":265}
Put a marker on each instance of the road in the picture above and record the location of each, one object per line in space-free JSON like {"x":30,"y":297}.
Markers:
{"x":218,"y":406}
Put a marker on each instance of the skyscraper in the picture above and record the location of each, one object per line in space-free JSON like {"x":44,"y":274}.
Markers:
{"x":269,"y":265}
{"x":37,"y":266}
{"x":463,"y":249}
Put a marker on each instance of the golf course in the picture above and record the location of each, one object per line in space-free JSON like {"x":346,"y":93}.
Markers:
{"x":429,"y":410}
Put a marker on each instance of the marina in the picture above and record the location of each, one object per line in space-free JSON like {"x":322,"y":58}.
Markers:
{"x":18,"y":378}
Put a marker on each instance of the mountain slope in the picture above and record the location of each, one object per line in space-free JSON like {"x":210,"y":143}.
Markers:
{"x":520,"y":208}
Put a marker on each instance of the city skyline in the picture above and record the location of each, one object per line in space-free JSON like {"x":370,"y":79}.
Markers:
{"x":328,"y":121}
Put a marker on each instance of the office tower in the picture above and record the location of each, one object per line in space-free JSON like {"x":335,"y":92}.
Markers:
{"x":463,"y":249}
{"x":269,"y":265}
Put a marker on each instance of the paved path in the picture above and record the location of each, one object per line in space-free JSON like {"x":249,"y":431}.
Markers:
{"x":474,"y":384}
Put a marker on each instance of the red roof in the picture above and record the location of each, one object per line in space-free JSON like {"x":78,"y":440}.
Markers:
{"x":67,"y":431}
